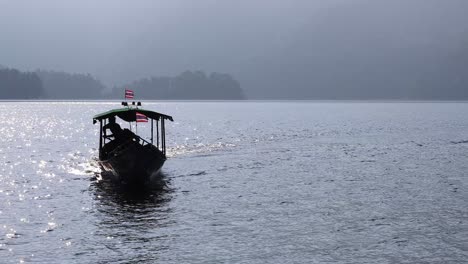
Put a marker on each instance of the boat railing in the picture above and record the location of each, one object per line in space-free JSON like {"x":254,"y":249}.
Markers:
{"x":144,"y":142}
{"x":121,"y":147}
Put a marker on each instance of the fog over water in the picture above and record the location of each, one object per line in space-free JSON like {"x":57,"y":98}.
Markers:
{"x":334,"y":49}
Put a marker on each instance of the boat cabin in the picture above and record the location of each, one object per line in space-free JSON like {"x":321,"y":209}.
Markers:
{"x":109,"y":143}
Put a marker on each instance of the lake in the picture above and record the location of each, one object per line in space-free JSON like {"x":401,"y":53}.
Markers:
{"x":245,"y":182}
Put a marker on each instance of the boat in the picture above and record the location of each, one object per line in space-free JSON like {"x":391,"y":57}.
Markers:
{"x":126,"y":156}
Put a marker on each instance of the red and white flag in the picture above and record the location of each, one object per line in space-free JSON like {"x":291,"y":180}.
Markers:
{"x":129,"y":94}
{"x":141,"y":117}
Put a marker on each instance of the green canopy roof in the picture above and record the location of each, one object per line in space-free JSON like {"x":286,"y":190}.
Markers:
{"x":129,"y":114}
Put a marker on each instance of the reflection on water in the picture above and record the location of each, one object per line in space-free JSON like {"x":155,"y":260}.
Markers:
{"x":153,"y":193}
{"x":131,"y":216}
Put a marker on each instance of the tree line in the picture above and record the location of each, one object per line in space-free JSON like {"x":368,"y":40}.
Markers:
{"x":42,"y":84}
{"x":62,"y":85}
{"x":15,"y":84}
{"x":189,"y":85}
{"x":19,"y":85}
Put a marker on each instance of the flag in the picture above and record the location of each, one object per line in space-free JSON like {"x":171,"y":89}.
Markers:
{"x":141,"y":117}
{"x":128,"y":94}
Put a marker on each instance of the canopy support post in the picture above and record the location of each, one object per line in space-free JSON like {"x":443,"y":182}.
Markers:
{"x":157,"y":133}
{"x":102,"y":123}
{"x":163,"y":136}
{"x":151,"y":131}
{"x":100,"y":138}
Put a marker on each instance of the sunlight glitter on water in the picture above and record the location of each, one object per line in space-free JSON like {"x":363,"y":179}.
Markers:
{"x":185,"y":149}
{"x":315,"y":182}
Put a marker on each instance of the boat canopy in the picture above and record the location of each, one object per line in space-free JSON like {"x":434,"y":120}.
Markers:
{"x":129,"y":114}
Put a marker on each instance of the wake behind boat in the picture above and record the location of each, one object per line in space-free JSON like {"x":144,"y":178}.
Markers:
{"x":124,"y":154}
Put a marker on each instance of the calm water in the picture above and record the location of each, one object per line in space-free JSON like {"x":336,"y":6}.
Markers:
{"x":273,"y":182}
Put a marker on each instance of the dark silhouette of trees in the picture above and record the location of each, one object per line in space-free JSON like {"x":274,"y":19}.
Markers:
{"x":19,"y":85}
{"x":223,"y":85}
{"x":61,"y":85}
{"x":189,"y":85}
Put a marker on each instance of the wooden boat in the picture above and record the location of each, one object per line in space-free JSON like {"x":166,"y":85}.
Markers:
{"x":125,"y":155}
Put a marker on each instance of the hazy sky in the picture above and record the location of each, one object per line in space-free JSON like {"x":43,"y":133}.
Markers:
{"x":120,"y":40}
{"x":116,"y":39}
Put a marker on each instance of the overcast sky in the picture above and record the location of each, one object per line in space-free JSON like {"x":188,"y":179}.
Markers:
{"x":122,"y":40}
{"x":116,"y":39}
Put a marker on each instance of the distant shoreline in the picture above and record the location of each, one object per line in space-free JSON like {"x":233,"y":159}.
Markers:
{"x":244,"y":100}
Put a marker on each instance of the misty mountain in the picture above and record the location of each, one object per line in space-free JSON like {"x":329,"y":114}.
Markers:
{"x":323,"y":49}
{"x":62,"y":85}
{"x":371,"y":50}
{"x":189,"y":85}
{"x":19,"y":85}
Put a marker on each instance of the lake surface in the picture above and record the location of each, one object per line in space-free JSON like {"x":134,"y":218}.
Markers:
{"x":245,"y":182}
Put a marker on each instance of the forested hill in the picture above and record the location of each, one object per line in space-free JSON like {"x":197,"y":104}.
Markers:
{"x":15,"y":84}
{"x":62,"y":85}
{"x":189,"y":85}
{"x":19,"y":85}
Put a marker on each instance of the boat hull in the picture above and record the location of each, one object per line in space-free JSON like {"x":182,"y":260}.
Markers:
{"x":134,"y":163}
